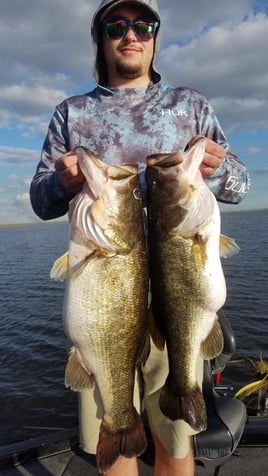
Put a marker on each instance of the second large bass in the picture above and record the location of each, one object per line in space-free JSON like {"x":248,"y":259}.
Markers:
{"x":188,"y":285}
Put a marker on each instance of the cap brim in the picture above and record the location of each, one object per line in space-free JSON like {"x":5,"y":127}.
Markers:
{"x":116,"y":4}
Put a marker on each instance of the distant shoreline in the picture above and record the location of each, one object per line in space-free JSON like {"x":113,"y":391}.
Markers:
{"x":64,"y":222}
{"x":48,"y":222}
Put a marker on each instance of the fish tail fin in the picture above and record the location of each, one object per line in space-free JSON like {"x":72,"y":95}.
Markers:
{"x":76,"y":377}
{"x":189,"y":407}
{"x":128,"y":442}
{"x":213,"y":344}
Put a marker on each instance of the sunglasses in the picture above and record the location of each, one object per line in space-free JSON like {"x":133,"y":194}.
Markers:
{"x":143,"y":29}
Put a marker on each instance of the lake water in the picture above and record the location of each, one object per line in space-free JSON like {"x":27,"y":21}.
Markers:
{"x":33,"y":355}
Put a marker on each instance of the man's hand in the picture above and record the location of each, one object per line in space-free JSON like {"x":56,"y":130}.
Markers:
{"x":214,"y":155}
{"x":69,"y":172}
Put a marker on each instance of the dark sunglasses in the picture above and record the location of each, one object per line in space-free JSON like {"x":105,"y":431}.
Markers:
{"x":143,"y":29}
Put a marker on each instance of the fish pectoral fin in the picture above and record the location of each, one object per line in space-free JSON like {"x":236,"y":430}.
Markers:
{"x":228,"y":246}
{"x":59,"y":270}
{"x":157,"y":336}
{"x":77,"y":270}
{"x":213,"y":344}
{"x":76,"y":377}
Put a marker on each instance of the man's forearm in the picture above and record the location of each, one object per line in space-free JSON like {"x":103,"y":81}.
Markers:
{"x":48,"y":197}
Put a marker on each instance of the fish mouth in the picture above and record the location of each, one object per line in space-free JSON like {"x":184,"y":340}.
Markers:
{"x":165,"y":159}
{"x":97,"y":173}
{"x":114,"y":170}
{"x":122,"y":171}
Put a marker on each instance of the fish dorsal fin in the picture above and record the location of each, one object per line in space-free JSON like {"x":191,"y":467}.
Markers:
{"x":59,"y":270}
{"x":228,"y":246}
{"x":213,"y":344}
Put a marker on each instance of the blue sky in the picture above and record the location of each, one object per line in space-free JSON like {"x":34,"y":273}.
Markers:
{"x":217,"y":47}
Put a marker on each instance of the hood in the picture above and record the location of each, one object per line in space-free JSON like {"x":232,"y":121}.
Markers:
{"x":100,"y":73}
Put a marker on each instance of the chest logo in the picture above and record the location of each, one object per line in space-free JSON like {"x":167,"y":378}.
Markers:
{"x":174,"y":112}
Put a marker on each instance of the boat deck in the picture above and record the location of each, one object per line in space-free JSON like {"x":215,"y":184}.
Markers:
{"x":247,"y":462}
{"x":57,"y":456}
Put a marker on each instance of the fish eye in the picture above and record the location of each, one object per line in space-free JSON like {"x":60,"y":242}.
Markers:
{"x":137,"y":193}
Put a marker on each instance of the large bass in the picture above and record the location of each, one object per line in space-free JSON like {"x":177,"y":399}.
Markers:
{"x":188,"y":285}
{"x":106,"y":299}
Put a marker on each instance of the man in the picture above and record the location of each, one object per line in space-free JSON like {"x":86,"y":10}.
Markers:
{"x":128,"y":116}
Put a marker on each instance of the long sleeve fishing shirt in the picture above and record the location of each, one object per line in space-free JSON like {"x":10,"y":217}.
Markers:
{"x":125,"y":126}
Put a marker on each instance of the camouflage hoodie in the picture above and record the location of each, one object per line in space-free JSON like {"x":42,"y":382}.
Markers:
{"x":126,"y":125}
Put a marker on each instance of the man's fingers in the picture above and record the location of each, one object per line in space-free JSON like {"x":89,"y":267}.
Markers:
{"x":69,"y":172}
{"x":66,"y":161}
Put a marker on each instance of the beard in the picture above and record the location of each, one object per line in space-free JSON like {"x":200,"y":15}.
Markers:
{"x":128,"y":71}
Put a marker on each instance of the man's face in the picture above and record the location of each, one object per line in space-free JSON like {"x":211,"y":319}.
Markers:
{"x":128,"y":57}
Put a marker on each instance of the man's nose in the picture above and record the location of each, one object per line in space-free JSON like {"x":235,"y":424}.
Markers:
{"x":130,"y":34}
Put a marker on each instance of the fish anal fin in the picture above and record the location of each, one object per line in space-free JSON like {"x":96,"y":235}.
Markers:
{"x":76,"y":377}
{"x":213,"y":344}
{"x":128,"y":442}
{"x":157,"y":337}
{"x":228,"y":246}
{"x":188,"y":406}
{"x":59,"y":270}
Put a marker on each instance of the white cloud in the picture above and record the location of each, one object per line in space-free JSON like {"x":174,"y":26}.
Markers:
{"x":222,"y":59}
{"x":16,"y":208}
{"x":254,"y":150}
{"x":204,"y":46}
{"x":24,"y":209}
{"x":27,"y":102}
{"x":22,"y":199}
{"x":227,"y":64}
{"x":18,"y":155}
{"x":27,"y":181}
{"x":49,"y":37}
{"x":235,"y":112}
{"x":185,"y":20}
